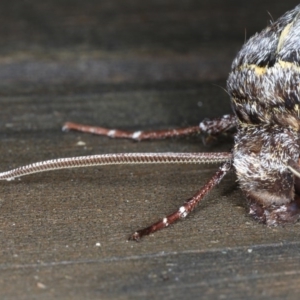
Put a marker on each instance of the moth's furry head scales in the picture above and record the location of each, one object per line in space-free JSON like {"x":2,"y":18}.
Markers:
{"x":264,"y":85}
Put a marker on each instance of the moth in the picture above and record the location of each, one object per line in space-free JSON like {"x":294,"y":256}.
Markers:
{"x":264,"y":87}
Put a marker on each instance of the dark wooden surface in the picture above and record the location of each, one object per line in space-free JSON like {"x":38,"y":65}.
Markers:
{"x":128,"y":64}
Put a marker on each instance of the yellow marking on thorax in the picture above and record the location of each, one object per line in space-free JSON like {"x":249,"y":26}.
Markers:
{"x":283,"y":36}
{"x":288,"y":65}
{"x":296,"y":107}
{"x":259,"y":71}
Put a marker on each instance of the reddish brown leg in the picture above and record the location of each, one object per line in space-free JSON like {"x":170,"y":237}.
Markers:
{"x":214,"y":126}
{"x":186,"y":208}
{"x":135,"y":135}
{"x":218,"y":125}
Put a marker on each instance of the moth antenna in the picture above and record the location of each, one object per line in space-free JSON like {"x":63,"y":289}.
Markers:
{"x":294,"y":168}
{"x":116,"y":159}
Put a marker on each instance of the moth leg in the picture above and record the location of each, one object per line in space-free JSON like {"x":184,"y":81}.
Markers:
{"x":134,"y":135}
{"x":187,"y":207}
{"x":213,"y":126}
{"x":218,"y":125}
{"x":274,"y":215}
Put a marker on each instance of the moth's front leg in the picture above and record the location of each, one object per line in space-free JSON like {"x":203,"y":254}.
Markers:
{"x":210,"y":127}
